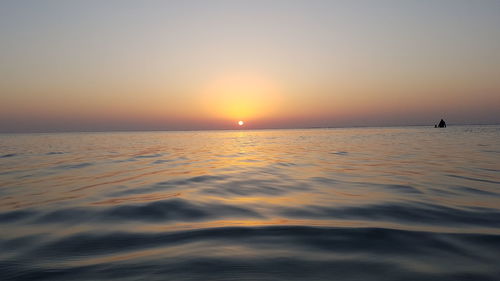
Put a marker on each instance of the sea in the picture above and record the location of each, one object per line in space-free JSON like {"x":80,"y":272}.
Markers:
{"x":397,"y":203}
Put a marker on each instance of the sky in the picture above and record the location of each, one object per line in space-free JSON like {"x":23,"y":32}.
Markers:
{"x":187,"y":65}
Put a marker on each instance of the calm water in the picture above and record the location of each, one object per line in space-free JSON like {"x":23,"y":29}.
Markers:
{"x":327,"y":204}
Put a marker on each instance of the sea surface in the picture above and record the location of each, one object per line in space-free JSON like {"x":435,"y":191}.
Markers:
{"x":401,"y":203}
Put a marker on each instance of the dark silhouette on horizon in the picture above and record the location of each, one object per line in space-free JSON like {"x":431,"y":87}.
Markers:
{"x":441,"y":124}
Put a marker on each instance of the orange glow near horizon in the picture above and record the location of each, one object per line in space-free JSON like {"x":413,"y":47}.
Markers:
{"x":240,"y":97}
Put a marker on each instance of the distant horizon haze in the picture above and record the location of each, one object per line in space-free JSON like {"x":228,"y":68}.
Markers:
{"x":183,"y":128}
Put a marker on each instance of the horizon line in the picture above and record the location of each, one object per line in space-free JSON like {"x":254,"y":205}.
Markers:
{"x":242,"y":129}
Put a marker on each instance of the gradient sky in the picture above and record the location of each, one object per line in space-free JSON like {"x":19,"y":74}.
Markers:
{"x":154,"y":65}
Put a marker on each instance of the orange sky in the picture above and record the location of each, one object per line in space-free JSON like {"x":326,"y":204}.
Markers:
{"x":176,"y":65}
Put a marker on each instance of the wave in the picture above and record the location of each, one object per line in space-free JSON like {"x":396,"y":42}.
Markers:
{"x":8,"y":155}
{"x":412,"y":213}
{"x":157,"y":211}
{"x":178,"y":210}
{"x":275,"y":253}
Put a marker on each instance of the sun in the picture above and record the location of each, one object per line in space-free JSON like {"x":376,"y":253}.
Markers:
{"x":237,"y":95}
{"x":241,"y":123}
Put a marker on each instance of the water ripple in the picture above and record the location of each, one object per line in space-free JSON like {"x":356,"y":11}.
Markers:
{"x":403,"y":213}
{"x":312,"y":253}
{"x":408,"y":203}
{"x":157,"y":211}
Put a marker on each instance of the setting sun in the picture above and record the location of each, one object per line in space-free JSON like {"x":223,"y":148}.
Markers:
{"x":240,"y":95}
{"x":241,"y":123}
